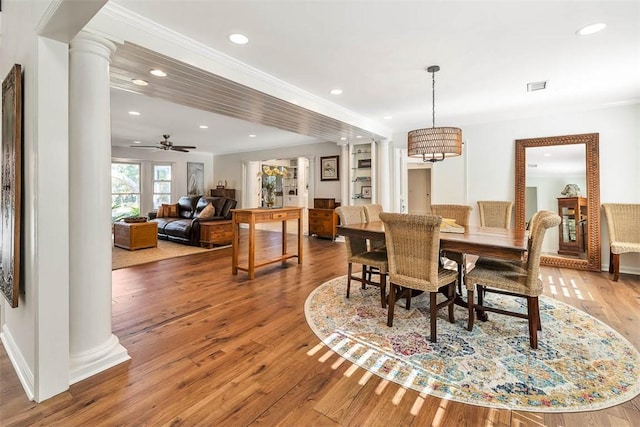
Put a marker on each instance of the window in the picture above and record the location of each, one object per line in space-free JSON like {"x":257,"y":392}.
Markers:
{"x":125,"y":190}
{"x":161,"y":185}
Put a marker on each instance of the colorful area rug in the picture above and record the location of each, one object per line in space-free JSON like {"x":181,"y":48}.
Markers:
{"x":581,"y":364}
{"x":121,"y":258}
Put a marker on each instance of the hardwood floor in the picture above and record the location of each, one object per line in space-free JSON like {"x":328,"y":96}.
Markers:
{"x":211,"y":349}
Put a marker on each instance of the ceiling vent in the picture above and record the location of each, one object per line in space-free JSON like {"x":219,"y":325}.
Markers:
{"x":531,"y":87}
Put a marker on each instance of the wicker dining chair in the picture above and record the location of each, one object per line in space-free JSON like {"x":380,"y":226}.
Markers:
{"x":358,"y":253}
{"x":413,"y":249}
{"x":518,"y":281}
{"x":623,"y":222}
{"x":461,"y":214}
{"x":372,"y":213}
{"x":494,"y":213}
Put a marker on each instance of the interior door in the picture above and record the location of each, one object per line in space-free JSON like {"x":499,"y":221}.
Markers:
{"x":419,"y":191}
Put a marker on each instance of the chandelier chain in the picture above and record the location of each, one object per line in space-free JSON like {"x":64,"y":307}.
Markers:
{"x":433,"y":99}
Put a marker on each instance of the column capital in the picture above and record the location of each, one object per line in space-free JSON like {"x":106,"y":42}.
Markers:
{"x":385,"y":141}
{"x":86,"y":42}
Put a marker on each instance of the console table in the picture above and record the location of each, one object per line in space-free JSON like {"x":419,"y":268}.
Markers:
{"x":260,"y":215}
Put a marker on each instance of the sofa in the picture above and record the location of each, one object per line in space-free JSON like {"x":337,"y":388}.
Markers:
{"x":180,"y":222}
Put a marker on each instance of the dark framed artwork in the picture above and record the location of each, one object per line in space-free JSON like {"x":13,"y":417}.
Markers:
{"x":195,"y":177}
{"x":10,"y":232}
{"x":330,"y":168}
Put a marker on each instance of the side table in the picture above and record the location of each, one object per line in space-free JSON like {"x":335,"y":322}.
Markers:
{"x":216,"y":233}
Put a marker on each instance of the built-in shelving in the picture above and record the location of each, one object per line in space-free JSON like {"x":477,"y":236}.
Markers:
{"x":361,"y":164}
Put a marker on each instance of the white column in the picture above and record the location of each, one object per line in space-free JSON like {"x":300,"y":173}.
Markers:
{"x":384,"y":175}
{"x":92,"y":346}
{"x":345,"y":174}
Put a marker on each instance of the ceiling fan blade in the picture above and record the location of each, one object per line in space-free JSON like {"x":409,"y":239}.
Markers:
{"x":145,"y":146}
{"x":189,"y":147}
{"x":179,"y":149}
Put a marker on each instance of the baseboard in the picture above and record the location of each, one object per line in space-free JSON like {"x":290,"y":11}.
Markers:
{"x":624,"y":269}
{"x":19,"y":363}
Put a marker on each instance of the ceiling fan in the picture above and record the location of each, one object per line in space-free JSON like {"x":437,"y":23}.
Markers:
{"x":167,"y":145}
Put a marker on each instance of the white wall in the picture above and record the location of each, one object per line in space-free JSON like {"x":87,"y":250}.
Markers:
{"x":229,"y":167}
{"x":490,"y":161}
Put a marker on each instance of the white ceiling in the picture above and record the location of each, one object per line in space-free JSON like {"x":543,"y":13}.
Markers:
{"x":376,"y":52}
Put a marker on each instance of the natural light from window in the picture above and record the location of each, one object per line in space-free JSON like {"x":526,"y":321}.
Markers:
{"x":125,"y":190}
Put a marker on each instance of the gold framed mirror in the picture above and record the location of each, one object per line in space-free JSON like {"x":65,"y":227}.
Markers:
{"x":580,"y":226}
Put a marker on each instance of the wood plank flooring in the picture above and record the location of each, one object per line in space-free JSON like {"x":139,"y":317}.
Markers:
{"x":212,"y":349}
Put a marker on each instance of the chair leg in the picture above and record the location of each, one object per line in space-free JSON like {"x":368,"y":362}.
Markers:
{"x":349,"y":278}
{"x":470,"y":308}
{"x":364,"y":277}
{"x":532,"y":302}
{"x":408,"y":292}
{"x":616,"y":267}
{"x":392,"y":304}
{"x":383,"y":290}
{"x":537,"y":302}
{"x":434,"y":313}
{"x":610,"y":261}
{"x":451,"y":296}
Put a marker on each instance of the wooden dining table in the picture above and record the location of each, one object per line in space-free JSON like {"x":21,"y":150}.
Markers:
{"x":502,"y":243}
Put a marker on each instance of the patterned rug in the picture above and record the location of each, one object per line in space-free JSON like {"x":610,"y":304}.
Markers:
{"x":581,"y":363}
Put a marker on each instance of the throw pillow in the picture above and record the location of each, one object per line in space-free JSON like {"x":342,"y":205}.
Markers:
{"x":160,"y":213}
{"x":171,"y":211}
{"x":208,"y":212}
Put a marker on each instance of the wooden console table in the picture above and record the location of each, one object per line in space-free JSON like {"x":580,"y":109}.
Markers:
{"x":260,"y":215}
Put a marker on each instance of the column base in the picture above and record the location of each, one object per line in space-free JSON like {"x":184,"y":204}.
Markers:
{"x":98,"y":359}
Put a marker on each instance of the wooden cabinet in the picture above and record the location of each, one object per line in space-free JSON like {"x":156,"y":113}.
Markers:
{"x":223,"y":192}
{"x":573,"y":212}
{"x":216,"y":233}
{"x":323,"y":223}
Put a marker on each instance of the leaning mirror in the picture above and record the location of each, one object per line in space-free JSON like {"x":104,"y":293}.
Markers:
{"x":561,"y":174}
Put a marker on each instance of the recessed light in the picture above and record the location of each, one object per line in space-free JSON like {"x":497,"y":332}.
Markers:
{"x":358,"y":136}
{"x":137,"y":142}
{"x":239,"y":38}
{"x":134,"y":113}
{"x":547,"y":154}
{"x":251,"y":135}
{"x":139,"y":82}
{"x":343,"y":138}
{"x":158,"y":73}
{"x":335,"y":91}
{"x":591,"y":29}
{"x":204,"y":127}
{"x":387,"y":117}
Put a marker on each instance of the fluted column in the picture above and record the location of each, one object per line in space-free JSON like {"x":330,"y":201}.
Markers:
{"x":384,"y":175}
{"x":92,"y":346}
{"x":345,"y":173}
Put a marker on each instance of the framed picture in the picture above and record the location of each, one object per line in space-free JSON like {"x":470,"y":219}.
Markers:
{"x":330,"y":168}
{"x":364,"y":163}
{"x":365,"y":191}
{"x":195,"y":179}
{"x":10,"y":237}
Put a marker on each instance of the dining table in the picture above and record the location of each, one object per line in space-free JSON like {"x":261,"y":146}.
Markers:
{"x":501,"y":243}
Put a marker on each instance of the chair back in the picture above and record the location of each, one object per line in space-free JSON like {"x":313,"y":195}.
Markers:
{"x":494,"y":213}
{"x":413,"y":248}
{"x":623,"y":221}
{"x":372,"y":212}
{"x":460,"y":213}
{"x":545,"y":220}
{"x":353,"y":215}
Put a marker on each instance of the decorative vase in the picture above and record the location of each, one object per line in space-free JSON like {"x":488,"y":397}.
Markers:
{"x":270,"y":198}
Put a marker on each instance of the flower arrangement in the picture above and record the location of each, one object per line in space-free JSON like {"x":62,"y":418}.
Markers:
{"x":269,"y":184}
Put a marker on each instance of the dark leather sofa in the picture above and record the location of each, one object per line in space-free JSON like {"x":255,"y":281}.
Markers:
{"x":186,"y":227}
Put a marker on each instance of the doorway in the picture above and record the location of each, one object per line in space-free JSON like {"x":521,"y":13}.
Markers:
{"x":419,"y":189}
